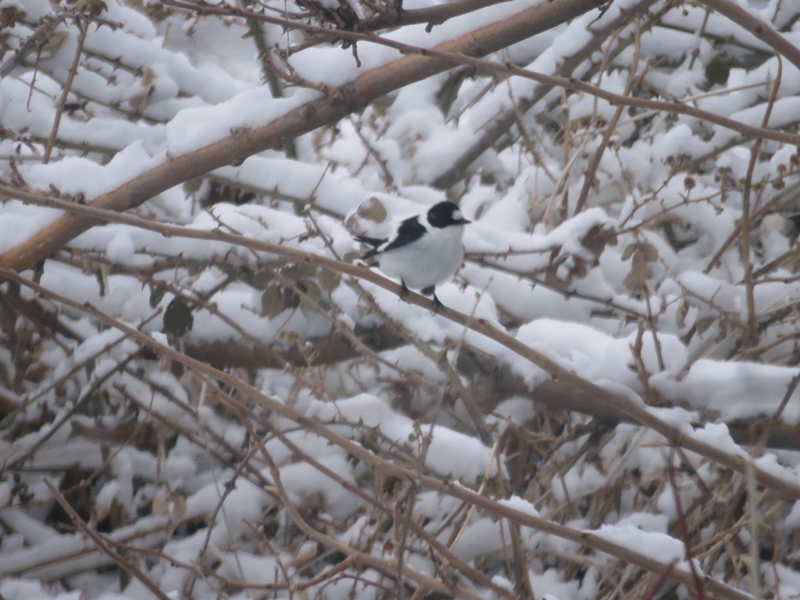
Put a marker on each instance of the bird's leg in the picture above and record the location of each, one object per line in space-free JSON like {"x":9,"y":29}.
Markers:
{"x":429,"y":291}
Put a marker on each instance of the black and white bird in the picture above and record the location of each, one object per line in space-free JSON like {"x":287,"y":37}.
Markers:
{"x":424,"y":251}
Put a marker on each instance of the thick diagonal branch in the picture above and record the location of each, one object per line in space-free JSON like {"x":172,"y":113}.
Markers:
{"x":337,"y":104}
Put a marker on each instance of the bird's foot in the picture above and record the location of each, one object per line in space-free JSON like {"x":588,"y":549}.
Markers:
{"x":403,"y":290}
{"x":429,"y":291}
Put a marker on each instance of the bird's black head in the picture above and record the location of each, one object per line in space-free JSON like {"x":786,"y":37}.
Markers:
{"x":444,"y":214}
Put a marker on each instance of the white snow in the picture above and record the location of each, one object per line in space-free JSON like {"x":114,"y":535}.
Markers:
{"x":643,"y":291}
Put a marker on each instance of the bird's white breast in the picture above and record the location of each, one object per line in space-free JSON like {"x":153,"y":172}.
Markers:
{"x":430,"y":260}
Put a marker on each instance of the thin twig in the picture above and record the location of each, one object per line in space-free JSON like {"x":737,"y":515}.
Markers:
{"x":697,"y":582}
{"x":591,"y":170}
{"x":36,"y":40}
{"x":123,"y":563}
{"x":751,"y":339}
{"x":51,"y":142}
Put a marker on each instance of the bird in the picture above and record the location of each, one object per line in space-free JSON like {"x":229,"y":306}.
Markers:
{"x":424,"y":251}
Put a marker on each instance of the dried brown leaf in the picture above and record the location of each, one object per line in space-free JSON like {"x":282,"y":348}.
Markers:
{"x":597,"y":238}
{"x":372,"y":210}
{"x":636,"y":279}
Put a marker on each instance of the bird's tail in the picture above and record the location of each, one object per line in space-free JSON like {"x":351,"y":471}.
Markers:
{"x":369,"y":241}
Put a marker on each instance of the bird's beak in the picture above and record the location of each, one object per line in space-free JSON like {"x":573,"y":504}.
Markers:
{"x":463,"y":221}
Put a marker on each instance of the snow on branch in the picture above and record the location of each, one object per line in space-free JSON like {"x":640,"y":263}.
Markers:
{"x":207,"y":392}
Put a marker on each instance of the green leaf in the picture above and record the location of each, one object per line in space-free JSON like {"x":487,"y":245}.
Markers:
{"x":329,"y":280}
{"x":351,"y":256}
{"x":178,"y":319}
{"x":272,"y":302}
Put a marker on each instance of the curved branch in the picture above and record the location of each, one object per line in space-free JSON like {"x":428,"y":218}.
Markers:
{"x":489,"y":380}
{"x":760,"y":29}
{"x":330,"y":349}
{"x":636,"y":411}
{"x":432,"y":15}
{"x":421,"y":63}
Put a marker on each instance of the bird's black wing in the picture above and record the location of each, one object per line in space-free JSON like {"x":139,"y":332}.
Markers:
{"x":409,"y":231}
